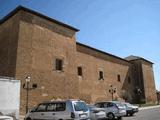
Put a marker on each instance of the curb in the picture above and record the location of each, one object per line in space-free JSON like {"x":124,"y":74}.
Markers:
{"x":150,"y":107}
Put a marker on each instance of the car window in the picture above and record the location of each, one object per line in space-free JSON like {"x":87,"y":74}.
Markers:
{"x":128,"y":104}
{"x":41,"y":107}
{"x":97,"y":105}
{"x":110,"y":105}
{"x":120,"y":105}
{"x":80,"y":106}
{"x":105,"y":105}
{"x":100,"y":105}
{"x":56,"y":106}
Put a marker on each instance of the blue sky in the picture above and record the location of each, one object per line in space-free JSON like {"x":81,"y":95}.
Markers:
{"x":119,"y":27}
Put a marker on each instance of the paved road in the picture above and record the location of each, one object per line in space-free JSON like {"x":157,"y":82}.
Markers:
{"x":150,"y":114}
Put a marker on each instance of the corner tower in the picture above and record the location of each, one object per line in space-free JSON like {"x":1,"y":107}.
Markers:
{"x":142,"y":72}
{"x":35,"y":45}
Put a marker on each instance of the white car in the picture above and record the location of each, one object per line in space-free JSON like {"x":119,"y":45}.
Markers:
{"x":96,"y":113}
{"x":113,"y":109}
{"x":59,"y":110}
{"x":2,"y":117}
{"x":130,"y":109}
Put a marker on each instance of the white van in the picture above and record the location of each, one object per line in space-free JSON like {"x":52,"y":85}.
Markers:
{"x":59,"y":110}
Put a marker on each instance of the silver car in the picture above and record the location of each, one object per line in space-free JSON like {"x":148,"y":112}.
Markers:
{"x":130,"y":109}
{"x":59,"y":110}
{"x":96,"y":113}
{"x":2,"y":117}
{"x":113,"y":109}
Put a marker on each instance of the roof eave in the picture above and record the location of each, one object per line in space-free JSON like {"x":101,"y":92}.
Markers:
{"x":102,"y":52}
{"x":13,"y":12}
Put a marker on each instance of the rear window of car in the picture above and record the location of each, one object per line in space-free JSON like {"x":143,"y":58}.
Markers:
{"x":80,"y":106}
{"x":59,"y":106}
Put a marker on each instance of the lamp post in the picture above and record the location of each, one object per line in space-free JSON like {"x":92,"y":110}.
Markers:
{"x":28,"y":88}
{"x":138,"y":92}
{"x":112,"y":90}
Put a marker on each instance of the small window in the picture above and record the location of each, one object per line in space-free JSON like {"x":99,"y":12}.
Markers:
{"x":79,"y":70}
{"x":101,"y":75}
{"x":59,"y":64}
{"x":119,"y":78}
{"x":129,"y":80}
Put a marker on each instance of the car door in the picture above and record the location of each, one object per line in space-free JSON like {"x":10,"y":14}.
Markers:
{"x":107,"y":108}
{"x":103,"y":105}
{"x":50,"y":114}
{"x":112,"y":107}
{"x":40,"y":112}
{"x":56,"y":111}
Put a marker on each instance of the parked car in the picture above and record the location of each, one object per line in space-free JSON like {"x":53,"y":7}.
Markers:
{"x":96,"y":113}
{"x":113,"y":109}
{"x":130,"y":109}
{"x":60,"y":110}
{"x":2,"y":117}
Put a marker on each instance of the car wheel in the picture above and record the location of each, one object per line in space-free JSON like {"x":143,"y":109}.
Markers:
{"x":131,"y":114}
{"x":110,"y":116}
{"x":28,"y":119}
{"x":119,"y":118}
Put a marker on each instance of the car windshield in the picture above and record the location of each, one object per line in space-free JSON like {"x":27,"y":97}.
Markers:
{"x":80,"y":106}
{"x":119,"y":104}
{"x":128,"y":104}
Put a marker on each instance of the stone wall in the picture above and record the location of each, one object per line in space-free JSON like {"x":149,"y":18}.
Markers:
{"x":8,"y":45}
{"x":38,"y":47}
{"x":149,"y":85}
{"x":91,"y":85}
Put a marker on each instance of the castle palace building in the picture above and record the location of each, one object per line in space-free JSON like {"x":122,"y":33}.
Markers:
{"x":32,"y":44}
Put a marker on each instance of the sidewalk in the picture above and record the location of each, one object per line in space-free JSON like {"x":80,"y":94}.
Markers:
{"x":150,"y":107}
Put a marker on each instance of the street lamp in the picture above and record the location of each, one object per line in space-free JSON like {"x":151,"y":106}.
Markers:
{"x":112,"y":90}
{"x":28,"y":88}
{"x":138,"y":93}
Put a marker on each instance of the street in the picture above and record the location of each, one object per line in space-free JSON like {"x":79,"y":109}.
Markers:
{"x":149,"y":114}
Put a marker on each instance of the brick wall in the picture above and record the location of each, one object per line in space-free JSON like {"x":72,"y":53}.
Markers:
{"x":38,"y":47}
{"x":149,"y":85}
{"x":8,"y":46}
{"x":89,"y":83}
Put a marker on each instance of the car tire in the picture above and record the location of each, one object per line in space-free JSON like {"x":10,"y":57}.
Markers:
{"x":131,"y":114}
{"x":110,"y":116}
{"x":119,"y":118}
{"x":28,"y":119}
